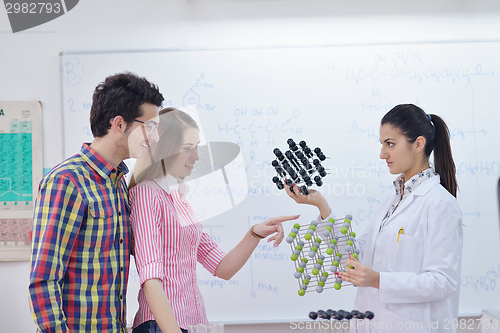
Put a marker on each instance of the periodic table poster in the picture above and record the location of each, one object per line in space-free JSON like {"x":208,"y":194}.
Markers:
{"x":21,"y":170}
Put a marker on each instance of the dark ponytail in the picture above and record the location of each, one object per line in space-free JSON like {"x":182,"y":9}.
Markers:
{"x":413,"y":122}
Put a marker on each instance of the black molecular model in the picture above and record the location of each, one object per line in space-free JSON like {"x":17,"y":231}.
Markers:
{"x":299,"y":166}
{"x":340,"y":315}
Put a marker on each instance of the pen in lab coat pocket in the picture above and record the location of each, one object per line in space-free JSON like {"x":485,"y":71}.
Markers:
{"x":399,"y":233}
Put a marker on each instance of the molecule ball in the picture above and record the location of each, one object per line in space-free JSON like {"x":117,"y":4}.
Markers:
{"x":296,"y":226}
{"x":316,"y":244}
{"x":355,"y":255}
{"x":294,"y":257}
{"x":331,"y":219}
{"x":337,"y":286}
{"x":329,"y":228}
{"x":329,"y":251}
{"x":347,"y":221}
{"x":308,"y":277}
{"x":321,"y":283}
{"x":347,"y":225}
{"x":306,"y":236}
{"x":323,"y":278}
{"x":319,"y":261}
{"x":303,"y":265}
{"x":303,"y":286}
{"x":319,"y":289}
{"x":310,"y":231}
{"x":318,"y":240}
{"x":314,"y":222}
{"x":297,"y":275}
{"x":292,"y":234}
{"x":335,"y":237}
{"x":337,"y":258}
{"x":302,"y":292}
{"x":312,"y":254}
{"x":301,"y":243}
{"x":312,"y":227}
{"x":331,"y":246}
{"x":349,"y":217}
{"x":305,"y":260}
{"x":344,"y":230}
{"x":350,"y":242}
{"x":356,"y":251}
{"x":322,"y":257}
{"x":314,"y":248}
{"x":329,"y":225}
{"x":305,"y":281}
{"x":333,"y":241}
{"x":333,"y":269}
{"x":289,"y":240}
{"x":339,"y":254}
{"x":335,"y":263}
{"x":295,"y":230}
{"x":348,"y":248}
{"x":298,"y":247}
{"x":353,"y":234}
{"x":315,"y":271}
{"x":325,"y":274}
{"x":339,"y":281}
{"x":318,"y":266}
{"x":326,"y":233}
{"x":300,"y":269}
{"x":297,"y":252}
{"x":313,"y":315}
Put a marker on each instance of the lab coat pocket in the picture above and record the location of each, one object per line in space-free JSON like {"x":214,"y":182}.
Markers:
{"x":408,"y":254}
{"x":392,"y":321}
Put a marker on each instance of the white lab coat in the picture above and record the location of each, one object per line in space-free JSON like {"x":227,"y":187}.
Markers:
{"x":420,"y":273}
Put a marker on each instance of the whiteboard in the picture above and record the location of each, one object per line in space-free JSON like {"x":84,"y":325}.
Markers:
{"x":334,"y":98}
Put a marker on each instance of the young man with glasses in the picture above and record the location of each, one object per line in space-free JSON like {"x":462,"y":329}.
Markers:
{"x":81,"y":233}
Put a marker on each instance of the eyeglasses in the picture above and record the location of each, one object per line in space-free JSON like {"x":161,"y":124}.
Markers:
{"x":151,"y":127}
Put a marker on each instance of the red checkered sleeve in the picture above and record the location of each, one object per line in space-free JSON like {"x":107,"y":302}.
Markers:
{"x":58,"y":214}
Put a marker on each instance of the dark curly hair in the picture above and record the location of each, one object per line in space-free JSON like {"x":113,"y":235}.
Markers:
{"x":120,"y":95}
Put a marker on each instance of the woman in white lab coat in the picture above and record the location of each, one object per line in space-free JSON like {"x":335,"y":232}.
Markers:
{"x":408,"y":271}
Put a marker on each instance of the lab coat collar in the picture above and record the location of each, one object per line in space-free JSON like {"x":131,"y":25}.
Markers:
{"x":421,"y":190}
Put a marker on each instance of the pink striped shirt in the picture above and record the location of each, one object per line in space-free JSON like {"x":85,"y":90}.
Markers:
{"x":169,"y":241}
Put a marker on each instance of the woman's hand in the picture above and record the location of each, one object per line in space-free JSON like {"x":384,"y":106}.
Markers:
{"x":314,"y":198}
{"x":273,"y":226}
{"x":360,"y":275}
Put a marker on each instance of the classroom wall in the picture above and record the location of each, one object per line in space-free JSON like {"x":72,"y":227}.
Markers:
{"x":29,"y":61}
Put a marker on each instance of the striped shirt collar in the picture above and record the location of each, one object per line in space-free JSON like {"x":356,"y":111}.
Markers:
{"x":99,"y":164}
{"x":170,"y":183}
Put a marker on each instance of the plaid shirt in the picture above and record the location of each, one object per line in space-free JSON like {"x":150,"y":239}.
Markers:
{"x":80,"y":252}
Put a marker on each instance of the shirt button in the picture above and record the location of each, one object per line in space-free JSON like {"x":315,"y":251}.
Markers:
{"x":121,"y":269}
{"x":121,"y":296}
{"x":373,"y":293}
{"x":121,"y":240}
{"x":119,"y":213}
{"x":378,"y":259}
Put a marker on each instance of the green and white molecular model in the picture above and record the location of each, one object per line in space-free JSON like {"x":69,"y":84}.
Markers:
{"x":320,"y":250}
